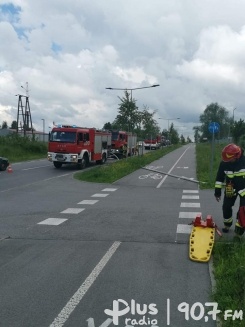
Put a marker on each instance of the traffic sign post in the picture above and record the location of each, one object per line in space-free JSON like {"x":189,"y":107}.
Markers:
{"x":213,"y":128}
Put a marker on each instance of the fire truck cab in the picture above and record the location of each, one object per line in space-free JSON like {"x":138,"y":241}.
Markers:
{"x":123,"y":143}
{"x":153,"y":143}
{"x":78,"y":145}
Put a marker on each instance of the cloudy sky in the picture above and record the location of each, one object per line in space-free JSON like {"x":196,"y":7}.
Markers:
{"x":69,"y":51}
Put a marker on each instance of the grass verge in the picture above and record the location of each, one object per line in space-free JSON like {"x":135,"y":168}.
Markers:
{"x":229,"y":273}
{"x":112,"y":172}
{"x":17,"y":148}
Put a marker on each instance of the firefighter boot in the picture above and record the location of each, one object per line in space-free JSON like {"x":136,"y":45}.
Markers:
{"x":227,"y":225}
{"x":239,"y":231}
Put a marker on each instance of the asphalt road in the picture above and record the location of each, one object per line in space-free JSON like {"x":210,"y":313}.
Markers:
{"x":70,"y":250}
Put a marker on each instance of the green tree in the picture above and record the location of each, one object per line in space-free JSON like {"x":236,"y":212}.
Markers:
{"x":150,"y":125}
{"x":4,"y":125}
{"x":164,"y":133}
{"x":197,"y":133}
{"x":238,"y":130}
{"x":215,"y":113}
{"x":182,"y":139}
{"x":107,"y":126}
{"x":14,"y":124}
{"x":128,"y":113}
{"x":173,"y":135}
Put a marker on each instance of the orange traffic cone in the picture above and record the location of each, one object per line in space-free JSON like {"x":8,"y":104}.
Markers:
{"x":10,"y":170}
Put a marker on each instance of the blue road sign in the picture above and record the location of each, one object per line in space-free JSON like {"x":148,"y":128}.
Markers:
{"x":213,"y":127}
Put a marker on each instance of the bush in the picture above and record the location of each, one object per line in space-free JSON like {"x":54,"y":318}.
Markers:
{"x":17,"y":148}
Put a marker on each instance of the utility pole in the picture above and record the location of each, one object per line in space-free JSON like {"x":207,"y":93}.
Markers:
{"x":24,"y":121}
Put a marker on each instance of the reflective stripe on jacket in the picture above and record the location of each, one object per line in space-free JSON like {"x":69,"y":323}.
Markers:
{"x":233,"y":172}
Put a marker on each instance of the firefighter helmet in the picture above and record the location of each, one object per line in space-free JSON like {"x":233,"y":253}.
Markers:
{"x":230,"y":152}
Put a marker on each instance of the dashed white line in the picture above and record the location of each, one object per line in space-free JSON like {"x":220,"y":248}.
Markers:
{"x":73,"y":210}
{"x":188,"y":214}
{"x":52,"y":221}
{"x":190,"y":197}
{"x":88,"y":202}
{"x":99,"y":195}
{"x":190,"y":205}
{"x":109,"y":189}
{"x":35,"y":167}
{"x":184,"y":229}
{"x":71,"y":305}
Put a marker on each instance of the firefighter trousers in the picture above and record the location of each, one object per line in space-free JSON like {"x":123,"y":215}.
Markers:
{"x":227,"y":206}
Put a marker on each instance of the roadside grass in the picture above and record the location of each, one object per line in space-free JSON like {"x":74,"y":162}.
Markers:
{"x":228,"y":257}
{"x":207,"y":164}
{"x":17,"y":148}
{"x":229,"y":273}
{"x":112,"y":172}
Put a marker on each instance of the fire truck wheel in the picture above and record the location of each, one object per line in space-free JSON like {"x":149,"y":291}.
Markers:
{"x":83,"y":163}
{"x":57,"y":164}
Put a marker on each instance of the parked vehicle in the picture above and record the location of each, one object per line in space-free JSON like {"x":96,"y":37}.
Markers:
{"x":4,"y":163}
{"x":123,"y":143}
{"x":78,"y":145}
{"x":153,"y":143}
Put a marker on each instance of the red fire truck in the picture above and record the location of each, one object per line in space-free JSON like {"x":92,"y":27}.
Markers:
{"x":123,"y":143}
{"x":78,"y":145}
{"x":153,"y":143}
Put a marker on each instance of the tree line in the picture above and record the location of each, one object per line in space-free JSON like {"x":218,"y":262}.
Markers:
{"x":141,"y":122}
{"x":230,"y":130}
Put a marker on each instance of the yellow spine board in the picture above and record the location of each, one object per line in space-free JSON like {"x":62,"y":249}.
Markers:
{"x":201,"y":243}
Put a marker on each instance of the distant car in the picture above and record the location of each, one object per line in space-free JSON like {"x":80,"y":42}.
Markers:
{"x":4,"y":163}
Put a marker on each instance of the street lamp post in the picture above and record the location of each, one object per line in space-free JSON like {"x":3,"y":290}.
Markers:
{"x":43,"y":127}
{"x":233,"y":115}
{"x":131,"y":91}
{"x":233,"y":120}
{"x":168,"y":119}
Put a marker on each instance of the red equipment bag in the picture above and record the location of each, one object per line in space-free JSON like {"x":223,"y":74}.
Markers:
{"x":241,"y":216}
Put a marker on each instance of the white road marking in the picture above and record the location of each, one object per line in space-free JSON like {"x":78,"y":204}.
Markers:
{"x":190,"y":197}
{"x":34,"y":167}
{"x":52,"y":221}
{"x":71,"y":305}
{"x":190,"y":205}
{"x":99,"y":195}
{"x":27,"y":185}
{"x":164,"y":178}
{"x":190,"y":191}
{"x":184,"y":229}
{"x":188,"y":214}
{"x":88,"y":202}
{"x":73,"y":210}
{"x":109,"y":189}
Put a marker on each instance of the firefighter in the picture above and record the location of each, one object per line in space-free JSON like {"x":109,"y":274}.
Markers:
{"x":231,"y":174}
{"x":137,"y":149}
{"x":125,"y":149}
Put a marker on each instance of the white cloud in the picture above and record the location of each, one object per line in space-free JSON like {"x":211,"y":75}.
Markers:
{"x":70,"y":52}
